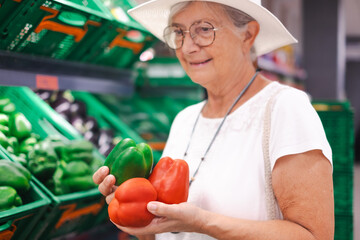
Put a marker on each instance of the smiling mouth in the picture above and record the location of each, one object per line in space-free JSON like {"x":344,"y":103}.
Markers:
{"x":200,"y":63}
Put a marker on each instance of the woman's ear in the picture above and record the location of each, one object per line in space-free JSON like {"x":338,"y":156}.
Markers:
{"x":251,"y":32}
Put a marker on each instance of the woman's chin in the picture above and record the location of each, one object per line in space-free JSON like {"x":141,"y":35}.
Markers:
{"x":201,"y":79}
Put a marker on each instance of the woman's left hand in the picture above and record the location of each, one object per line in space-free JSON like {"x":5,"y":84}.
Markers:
{"x":183,"y":217}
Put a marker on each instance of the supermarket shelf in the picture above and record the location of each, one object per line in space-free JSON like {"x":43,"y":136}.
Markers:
{"x":270,"y":66}
{"x":53,"y":74}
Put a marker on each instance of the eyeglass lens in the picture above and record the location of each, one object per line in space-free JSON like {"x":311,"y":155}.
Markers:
{"x":202,"y":33}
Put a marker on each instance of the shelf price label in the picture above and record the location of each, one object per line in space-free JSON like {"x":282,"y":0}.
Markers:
{"x":47,"y":82}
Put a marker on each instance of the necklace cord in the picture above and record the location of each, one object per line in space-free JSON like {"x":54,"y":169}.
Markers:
{"x":218,"y":129}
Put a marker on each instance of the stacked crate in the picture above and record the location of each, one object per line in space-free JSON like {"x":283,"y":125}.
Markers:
{"x":74,"y":30}
{"x":52,"y":28}
{"x":71,"y":213}
{"x":337,"y":119}
{"x":119,"y":43}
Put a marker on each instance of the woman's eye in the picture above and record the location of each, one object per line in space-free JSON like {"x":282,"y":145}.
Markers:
{"x":203,"y":30}
{"x":178,"y":32}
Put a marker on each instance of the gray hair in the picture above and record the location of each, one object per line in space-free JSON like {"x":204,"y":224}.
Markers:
{"x":236,"y":16}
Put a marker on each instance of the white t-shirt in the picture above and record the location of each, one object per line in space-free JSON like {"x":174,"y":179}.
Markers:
{"x":231,"y":179}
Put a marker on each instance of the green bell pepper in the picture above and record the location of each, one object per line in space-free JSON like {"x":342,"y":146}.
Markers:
{"x":71,"y":177}
{"x":9,"y":198}
{"x":20,"y":159}
{"x":79,"y":183}
{"x":42,"y":161}
{"x":10,"y":149}
{"x":55,"y":184}
{"x":4,"y":140}
{"x":79,"y":146}
{"x":77,"y":176}
{"x":75,"y":169}
{"x":14,"y":175}
{"x":128,"y":160}
{"x":77,"y":150}
{"x":4,"y":119}
{"x":6,"y":106}
{"x":86,"y":157}
{"x":4,"y":129}
{"x":27,"y":145}
{"x":19,"y":126}
{"x":14,"y":143}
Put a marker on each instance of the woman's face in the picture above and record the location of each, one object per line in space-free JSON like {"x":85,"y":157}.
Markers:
{"x":215,"y":64}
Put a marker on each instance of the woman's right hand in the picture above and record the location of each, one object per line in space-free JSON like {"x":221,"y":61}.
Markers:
{"x":106,"y":183}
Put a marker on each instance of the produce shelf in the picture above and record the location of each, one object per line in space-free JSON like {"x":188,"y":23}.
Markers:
{"x":67,"y":213}
{"x":106,"y":118}
{"x":53,"y":74}
{"x":17,"y":223}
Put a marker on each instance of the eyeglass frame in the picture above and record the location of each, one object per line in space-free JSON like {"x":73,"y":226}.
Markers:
{"x":188,"y":31}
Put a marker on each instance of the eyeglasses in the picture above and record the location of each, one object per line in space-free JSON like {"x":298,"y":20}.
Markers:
{"x":202,"y":33}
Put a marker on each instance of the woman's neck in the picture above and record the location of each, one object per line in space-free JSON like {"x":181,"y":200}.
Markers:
{"x":220,"y":100}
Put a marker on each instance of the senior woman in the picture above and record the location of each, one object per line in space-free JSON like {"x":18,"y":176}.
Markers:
{"x":260,"y":164}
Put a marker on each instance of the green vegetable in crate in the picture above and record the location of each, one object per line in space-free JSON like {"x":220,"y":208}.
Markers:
{"x":6,"y":106}
{"x":27,"y":145}
{"x":95,"y":164}
{"x":14,"y":143}
{"x":19,"y":126}
{"x":78,"y":150}
{"x":10,"y":149}
{"x":14,"y":175}
{"x":42,"y":160}
{"x":128,"y":160}
{"x":4,"y":129}
{"x":80,"y":146}
{"x":9,"y":198}
{"x":20,"y":159}
{"x":80,"y":183}
{"x":4,"y":140}
{"x":82,"y":156}
{"x":71,"y":177}
{"x":75,"y":169}
{"x":4,"y":119}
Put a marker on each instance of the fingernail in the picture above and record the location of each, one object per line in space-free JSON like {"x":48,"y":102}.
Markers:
{"x":109,"y":180}
{"x":151,"y":206}
{"x":103,"y":170}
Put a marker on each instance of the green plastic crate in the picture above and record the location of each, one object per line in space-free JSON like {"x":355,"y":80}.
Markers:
{"x":69,"y":213}
{"x":136,"y":113}
{"x":118,"y":44}
{"x":169,"y":106}
{"x":343,"y":192}
{"x":337,"y":119}
{"x":17,"y":223}
{"x":8,"y":10}
{"x":45,"y":121}
{"x":344,"y":227}
{"x":54,"y":28}
{"x":163,"y":71}
{"x":107,"y":119}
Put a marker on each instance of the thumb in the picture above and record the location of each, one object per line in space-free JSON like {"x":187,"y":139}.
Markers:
{"x":161,"y":209}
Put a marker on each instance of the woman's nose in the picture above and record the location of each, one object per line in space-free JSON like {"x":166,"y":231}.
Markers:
{"x":189,"y":44}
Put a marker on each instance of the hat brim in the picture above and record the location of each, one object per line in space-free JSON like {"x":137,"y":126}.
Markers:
{"x":153,"y":15}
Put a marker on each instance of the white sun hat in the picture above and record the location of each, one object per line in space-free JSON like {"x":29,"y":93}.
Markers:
{"x":154,"y":14}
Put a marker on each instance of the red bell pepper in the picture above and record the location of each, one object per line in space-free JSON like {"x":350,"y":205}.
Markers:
{"x":170,"y":178}
{"x":129,"y":206}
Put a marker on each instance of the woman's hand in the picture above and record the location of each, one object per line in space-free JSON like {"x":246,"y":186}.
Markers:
{"x":106,"y":183}
{"x":183,"y":217}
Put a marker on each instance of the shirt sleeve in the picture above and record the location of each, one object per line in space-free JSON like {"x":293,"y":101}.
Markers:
{"x":296,"y":127}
